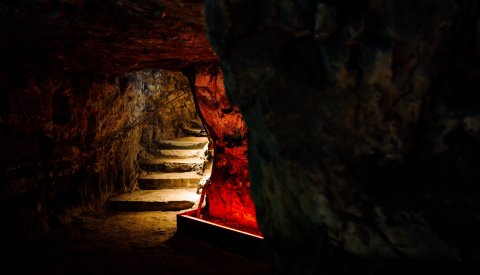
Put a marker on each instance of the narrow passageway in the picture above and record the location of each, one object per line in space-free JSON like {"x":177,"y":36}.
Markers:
{"x":174,"y":156}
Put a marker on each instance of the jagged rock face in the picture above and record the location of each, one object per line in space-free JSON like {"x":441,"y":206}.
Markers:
{"x":103,"y":36}
{"x":229,"y":192}
{"x":363,"y":125}
{"x":168,"y":94}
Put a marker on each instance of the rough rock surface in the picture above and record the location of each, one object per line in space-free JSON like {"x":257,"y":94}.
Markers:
{"x":228,"y":193}
{"x":170,"y":93}
{"x":103,"y":36}
{"x":59,"y":148}
{"x":363,"y":121}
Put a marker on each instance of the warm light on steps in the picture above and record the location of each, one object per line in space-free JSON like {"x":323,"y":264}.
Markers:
{"x":155,"y":200}
{"x":171,"y":174}
{"x":169,"y":180}
{"x":179,"y":153}
{"x":184,"y":143}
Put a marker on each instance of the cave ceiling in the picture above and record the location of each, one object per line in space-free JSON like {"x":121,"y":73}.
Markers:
{"x":103,"y":36}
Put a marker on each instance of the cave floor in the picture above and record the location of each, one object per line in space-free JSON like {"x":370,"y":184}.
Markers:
{"x":154,"y":200}
{"x":127,"y":243}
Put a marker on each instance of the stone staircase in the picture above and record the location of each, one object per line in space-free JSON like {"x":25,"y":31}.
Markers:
{"x":172,"y":170}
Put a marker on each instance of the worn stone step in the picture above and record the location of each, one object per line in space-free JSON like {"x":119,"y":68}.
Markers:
{"x":155,"y":200}
{"x":183,"y":143}
{"x":171,"y":164}
{"x":169,"y":180}
{"x":191,"y":130}
{"x":178,"y":153}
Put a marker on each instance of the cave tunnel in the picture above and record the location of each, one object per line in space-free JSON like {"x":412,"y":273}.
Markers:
{"x":325,"y":137}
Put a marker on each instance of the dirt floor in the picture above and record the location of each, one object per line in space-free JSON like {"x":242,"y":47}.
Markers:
{"x":126,"y":243}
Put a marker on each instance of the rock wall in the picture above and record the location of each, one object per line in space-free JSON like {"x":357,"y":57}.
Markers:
{"x":53,"y":130}
{"x":170,"y":93}
{"x":363,"y":126}
{"x":68,"y":141}
{"x":228,"y":193}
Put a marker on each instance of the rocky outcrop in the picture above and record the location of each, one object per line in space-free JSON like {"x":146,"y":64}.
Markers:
{"x":228,"y":193}
{"x":363,"y":129}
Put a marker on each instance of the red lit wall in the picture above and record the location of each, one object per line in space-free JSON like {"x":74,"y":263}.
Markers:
{"x":228,"y":194}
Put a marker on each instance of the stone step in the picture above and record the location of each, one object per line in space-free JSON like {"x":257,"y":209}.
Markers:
{"x":155,"y":200}
{"x":171,"y":164}
{"x":178,"y":153}
{"x":169,"y":180}
{"x":191,"y":131}
{"x":183,"y":143}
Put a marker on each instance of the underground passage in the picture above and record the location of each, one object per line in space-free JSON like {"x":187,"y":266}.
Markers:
{"x":240,"y":137}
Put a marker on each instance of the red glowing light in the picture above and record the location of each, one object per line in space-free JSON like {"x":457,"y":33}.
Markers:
{"x":228,"y":193}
